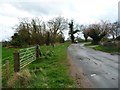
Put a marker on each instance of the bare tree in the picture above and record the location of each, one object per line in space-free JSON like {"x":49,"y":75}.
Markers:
{"x":56,"y":27}
{"x":97,"y":31}
{"x":85,"y":32}
{"x":114,"y":30}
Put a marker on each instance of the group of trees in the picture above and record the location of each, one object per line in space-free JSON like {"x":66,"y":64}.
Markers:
{"x":100,"y":30}
{"x":36,"y":31}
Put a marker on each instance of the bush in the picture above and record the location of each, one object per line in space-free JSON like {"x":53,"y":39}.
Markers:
{"x":111,"y":44}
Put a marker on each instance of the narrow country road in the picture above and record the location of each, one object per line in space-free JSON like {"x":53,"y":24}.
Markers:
{"x":99,"y":67}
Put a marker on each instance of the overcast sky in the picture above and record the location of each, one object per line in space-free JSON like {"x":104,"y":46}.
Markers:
{"x":82,"y":11}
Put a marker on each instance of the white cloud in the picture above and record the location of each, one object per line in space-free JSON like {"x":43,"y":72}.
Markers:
{"x":11,"y":11}
{"x":9,"y":18}
{"x":82,"y":11}
{"x":5,"y":32}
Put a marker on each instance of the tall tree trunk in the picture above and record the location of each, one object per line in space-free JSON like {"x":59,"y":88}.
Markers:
{"x":71,"y":31}
{"x":86,"y":38}
{"x":48,"y":38}
{"x":72,"y":38}
{"x":113,"y":37}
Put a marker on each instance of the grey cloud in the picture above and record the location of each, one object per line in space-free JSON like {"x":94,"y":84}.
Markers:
{"x":31,"y":7}
{"x":40,"y":7}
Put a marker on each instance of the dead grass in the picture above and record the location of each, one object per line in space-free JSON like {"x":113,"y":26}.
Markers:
{"x":20,"y":79}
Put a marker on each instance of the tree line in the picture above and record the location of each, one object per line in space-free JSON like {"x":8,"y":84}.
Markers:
{"x":98,"y":31}
{"x":35,"y":31}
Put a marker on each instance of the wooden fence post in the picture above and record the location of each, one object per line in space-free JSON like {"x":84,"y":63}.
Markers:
{"x":37,"y":52}
{"x":16,"y":61}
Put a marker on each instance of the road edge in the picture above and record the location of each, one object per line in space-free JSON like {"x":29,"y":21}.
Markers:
{"x":78,"y":75}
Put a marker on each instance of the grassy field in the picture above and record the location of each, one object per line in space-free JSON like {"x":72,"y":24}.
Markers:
{"x":7,"y":56}
{"x":50,"y":71}
{"x":102,"y":48}
{"x":7,"y":52}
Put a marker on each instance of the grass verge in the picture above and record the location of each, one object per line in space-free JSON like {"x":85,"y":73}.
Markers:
{"x":50,"y":71}
{"x":103,"y":48}
{"x":107,"y":49}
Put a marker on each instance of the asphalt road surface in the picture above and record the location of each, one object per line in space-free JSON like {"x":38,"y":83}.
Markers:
{"x":99,"y":67}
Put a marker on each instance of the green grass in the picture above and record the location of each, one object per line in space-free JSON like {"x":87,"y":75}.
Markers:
{"x":51,"y":70}
{"x":7,"y":55}
{"x":6,"y":52}
{"x":88,"y":44}
{"x":106,"y":49}
{"x":103,"y":48}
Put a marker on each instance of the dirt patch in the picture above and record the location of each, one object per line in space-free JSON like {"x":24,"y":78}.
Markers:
{"x":78,"y":76}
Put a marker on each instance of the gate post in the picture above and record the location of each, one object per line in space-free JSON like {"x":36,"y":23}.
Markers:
{"x":16,"y":61}
{"x":37,"y":52}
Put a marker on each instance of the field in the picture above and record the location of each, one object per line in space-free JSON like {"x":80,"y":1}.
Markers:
{"x":50,"y":71}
